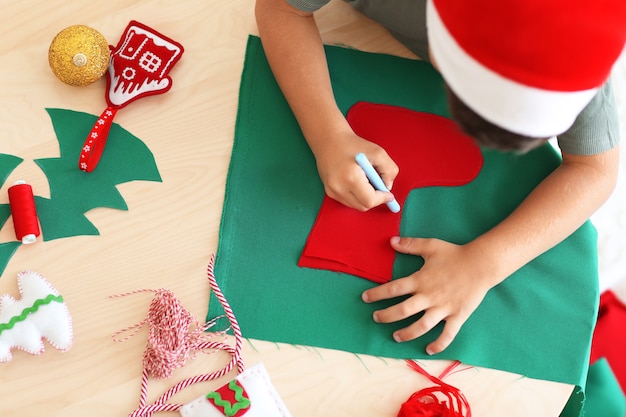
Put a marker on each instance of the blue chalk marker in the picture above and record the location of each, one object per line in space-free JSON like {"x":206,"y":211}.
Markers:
{"x":375,"y":179}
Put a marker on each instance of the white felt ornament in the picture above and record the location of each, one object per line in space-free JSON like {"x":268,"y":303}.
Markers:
{"x":251,"y":394}
{"x":39,"y":314}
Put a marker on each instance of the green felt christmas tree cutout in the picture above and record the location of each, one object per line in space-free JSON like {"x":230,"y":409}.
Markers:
{"x":7,"y":249}
{"x":73,"y":192}
{"x":7,"y":164}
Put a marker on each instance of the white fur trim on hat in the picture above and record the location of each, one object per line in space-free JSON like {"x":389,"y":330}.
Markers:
{"x":513,"y":106}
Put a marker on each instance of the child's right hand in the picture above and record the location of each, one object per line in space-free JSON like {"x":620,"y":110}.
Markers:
{"x":296,"y":55}
{"x":343,"y":178}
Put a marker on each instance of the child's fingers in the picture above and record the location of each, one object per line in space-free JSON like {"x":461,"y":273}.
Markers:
{"x":385,"y":166}
{"x":431,"y":318}
{"x":450,"y":330}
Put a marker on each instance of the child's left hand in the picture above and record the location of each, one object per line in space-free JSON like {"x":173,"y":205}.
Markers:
{"x":449,"y":287}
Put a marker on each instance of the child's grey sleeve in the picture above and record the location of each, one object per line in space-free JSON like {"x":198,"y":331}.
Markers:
{"x":596,"y":128}
{"x":307,"y":5}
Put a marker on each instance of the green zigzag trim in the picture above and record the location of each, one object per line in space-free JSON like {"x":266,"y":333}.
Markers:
{"x":30,"y":310}
{"x":230,"y":409}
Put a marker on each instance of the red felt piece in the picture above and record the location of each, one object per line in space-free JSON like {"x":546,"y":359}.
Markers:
{"x":430,"y":150}
{"x":609,"y":337}
{"x":228,"y":400}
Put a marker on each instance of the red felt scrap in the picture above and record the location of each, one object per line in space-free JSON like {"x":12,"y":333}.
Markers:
{"x":430,"y":150}
{"x":609,"y":336}
{"x":231,"y":399}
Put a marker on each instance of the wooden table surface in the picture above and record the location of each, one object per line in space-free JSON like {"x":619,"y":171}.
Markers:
{"x":170,"y":230}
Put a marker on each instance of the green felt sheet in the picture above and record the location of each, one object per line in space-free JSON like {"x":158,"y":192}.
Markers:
{"x":538,"y":323}
{"x":604,"y":397}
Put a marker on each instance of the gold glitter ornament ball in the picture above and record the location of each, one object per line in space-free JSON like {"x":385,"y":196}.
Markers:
{"x":79,"y":55}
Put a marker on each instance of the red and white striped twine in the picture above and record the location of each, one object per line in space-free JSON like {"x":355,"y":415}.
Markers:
{"x":176,"y":336}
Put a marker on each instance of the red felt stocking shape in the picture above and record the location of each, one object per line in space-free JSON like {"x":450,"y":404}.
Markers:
{"x":430,"y":150}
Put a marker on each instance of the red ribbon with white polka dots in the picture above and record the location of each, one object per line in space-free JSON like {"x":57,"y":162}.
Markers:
{"x":94,"y":144}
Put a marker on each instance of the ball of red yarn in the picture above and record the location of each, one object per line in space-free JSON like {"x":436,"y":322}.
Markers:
{"x":427,"y":403}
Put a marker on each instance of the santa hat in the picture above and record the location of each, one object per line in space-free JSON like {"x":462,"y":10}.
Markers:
{"x":528,"y":66}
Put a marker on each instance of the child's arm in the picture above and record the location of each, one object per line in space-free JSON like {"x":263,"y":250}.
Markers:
{"x":294,"y":49}
{"x":455,"y":278}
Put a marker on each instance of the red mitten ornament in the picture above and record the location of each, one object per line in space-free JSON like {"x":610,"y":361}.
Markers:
{"x":139,"y":67}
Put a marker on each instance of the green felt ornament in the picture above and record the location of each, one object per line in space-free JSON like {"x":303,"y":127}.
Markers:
{"x":72,"y":192}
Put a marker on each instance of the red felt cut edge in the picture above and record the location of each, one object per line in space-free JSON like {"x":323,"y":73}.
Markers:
{"x":430,"y":150}
{"x":609,"y":337}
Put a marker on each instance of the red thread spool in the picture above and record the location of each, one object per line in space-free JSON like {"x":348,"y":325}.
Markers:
{"x":24,"y":212}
